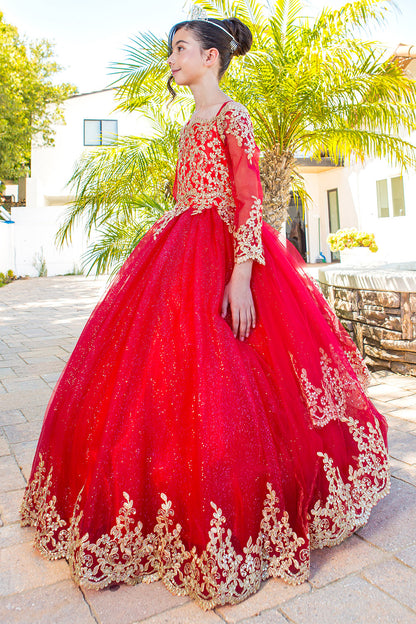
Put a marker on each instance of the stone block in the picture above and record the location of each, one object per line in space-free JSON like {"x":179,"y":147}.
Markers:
{"x":42,"y":352}
{"x":396,"y":579}
{"x":348,"y":325}
{"x":188,"y":613}
{"x":11,"y":417}
{"x":379,"y":333}
{"x":405,"y":413}
{"x":12,"y":534}
{"x":365,"y":309}
{"x":23,"y":432}
{"x":407,"y":400}
{"x":393,"y":421}
{"x":384,"y":407}
{"x":125,"y":603}
{"x":408,"y":556}
{"x":346,"y":294}
{"x":9,"y":506}
{"x":407,"y":474}
{"x":403,"y":368}
{"x":407,"y":326}
{"x":380,"y":298}
{"x":23,"y":568}
{"x":401,"y":381}
{"x":331,"y":564}
{"x":402,"y":446}
{"x":350,"y":600}
{"x":266,"y":617}
{"x":412,"y":302}
{"x":24,"y":453}
{"x":380,"y":319}
{"x":39,"y":369}
{"x":4,"y":447}
{"x":382,"y":354}
{"x":392,"y":523}
{"x":7,"y":373}
{"x":23,"y":398}
{"x":398,"y":345}
{"x":30,"y":383}
{"x":410,"y":357}
{"x":376,"y":365}
{"x":272,"y":593}
{"x":343,"y":306}
{"x":386,"y":392}
{"x":10,"y":476}
{"x":61,"y":603}
{"x":346,"y":315}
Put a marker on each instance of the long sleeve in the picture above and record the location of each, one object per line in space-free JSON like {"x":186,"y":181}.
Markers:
{"x":243,"y":155}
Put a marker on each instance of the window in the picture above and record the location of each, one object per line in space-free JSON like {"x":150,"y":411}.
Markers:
{"x":333,"y":214}
{"x":100,"y":131}
{"x":390,"y":197}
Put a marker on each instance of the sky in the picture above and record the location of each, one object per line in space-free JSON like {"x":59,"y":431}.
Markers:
{"x":89,"y":35}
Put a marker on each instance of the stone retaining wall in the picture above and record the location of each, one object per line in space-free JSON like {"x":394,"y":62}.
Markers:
{"x":381,"y":322}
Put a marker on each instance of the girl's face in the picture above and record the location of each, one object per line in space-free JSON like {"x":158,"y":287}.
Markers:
{"x":187,"y":61}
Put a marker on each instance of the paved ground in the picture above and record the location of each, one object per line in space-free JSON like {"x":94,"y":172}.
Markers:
{"x":369,"y":578}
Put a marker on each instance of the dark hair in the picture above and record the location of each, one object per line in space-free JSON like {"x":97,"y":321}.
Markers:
{"x":211,"y":36}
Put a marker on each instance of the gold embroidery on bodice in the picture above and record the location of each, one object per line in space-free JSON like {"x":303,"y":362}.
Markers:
{"x":204,"y":180}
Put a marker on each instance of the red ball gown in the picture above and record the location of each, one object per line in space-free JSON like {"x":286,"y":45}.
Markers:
{"x":173,"y":450}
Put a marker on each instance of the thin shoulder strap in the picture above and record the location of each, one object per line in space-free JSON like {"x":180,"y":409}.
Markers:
{"x":222,"y":106}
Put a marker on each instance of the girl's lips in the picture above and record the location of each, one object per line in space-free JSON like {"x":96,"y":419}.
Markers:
{"x":174,"y":71}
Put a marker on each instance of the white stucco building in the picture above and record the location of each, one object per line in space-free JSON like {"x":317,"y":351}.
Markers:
{"x":372,"y":196}
{"x":90,"y":120}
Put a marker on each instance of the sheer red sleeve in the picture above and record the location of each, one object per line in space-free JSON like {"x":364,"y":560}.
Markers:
{"x":243,"y":155}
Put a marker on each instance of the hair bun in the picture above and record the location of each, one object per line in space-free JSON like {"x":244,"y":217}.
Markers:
{"x":241,"y":33}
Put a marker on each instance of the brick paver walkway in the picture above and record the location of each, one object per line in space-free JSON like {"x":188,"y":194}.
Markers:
{"x":369,"y":578}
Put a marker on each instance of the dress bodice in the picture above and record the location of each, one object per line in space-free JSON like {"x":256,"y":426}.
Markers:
{"x":217,"y":168}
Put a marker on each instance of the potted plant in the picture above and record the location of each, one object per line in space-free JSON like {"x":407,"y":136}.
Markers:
{"x":355,"y":246}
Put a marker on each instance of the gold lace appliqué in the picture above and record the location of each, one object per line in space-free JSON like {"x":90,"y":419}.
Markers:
{"x":336,"y":390}
{"x":248,"y":237}
{"x":218,"y":575}
{"x":203,"y":178}
{"x":348,"y":505}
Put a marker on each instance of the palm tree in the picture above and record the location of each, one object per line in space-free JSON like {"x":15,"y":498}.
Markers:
{"x":121,"y":190}
{"x":313,"y":87}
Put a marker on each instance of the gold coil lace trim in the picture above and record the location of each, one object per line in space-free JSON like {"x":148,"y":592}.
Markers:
{"x":219,"y":575}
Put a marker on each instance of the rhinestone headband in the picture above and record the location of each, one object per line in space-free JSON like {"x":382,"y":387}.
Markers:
{"x":198,"y":14}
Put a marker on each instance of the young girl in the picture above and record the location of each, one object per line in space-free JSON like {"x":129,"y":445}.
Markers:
{"x":211,"y":426}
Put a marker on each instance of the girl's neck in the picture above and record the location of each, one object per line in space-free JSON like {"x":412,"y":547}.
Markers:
{"x":206,"y":100}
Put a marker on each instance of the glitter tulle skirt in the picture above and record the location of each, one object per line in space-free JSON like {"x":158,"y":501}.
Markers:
{"x":172,"y":450}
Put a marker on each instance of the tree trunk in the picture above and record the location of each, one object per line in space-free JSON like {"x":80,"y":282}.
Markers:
{"x":276,"y":173}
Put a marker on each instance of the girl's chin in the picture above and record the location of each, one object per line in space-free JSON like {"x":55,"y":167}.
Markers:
{"x":180,"y":81}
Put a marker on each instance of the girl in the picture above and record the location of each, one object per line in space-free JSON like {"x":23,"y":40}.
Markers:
{"x":211,"y":426}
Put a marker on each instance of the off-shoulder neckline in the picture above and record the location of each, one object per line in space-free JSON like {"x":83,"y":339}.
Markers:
{"x":201,"y":120}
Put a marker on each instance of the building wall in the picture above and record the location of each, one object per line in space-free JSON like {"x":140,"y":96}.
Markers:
{"x":48,"y":194}
{"x":318,"y":185}
{"x":357,"y":197}
{"x":53,"y":166}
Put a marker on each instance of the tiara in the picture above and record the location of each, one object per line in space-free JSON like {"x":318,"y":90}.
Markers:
{"x":198,"y":13}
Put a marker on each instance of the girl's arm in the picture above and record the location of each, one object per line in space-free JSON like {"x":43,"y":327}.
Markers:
{"x":243,"y":156}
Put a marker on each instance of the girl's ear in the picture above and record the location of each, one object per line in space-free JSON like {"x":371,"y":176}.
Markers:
{"x":211,"y":56}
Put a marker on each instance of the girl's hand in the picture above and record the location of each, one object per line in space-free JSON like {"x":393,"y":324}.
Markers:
{"x":237,"y":294}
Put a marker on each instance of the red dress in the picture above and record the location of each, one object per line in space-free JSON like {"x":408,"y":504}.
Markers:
{"x":171,"y":449}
